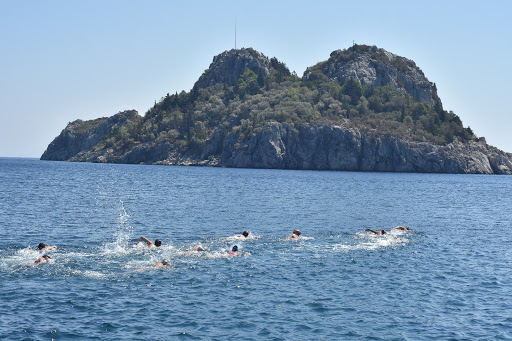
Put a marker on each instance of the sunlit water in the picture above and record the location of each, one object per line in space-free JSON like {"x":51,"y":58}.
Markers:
{"x":449,"y":278}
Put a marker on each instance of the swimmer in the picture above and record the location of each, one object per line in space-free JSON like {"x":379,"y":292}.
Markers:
{"x":295,"y":234}
{"x":401,"y":228}
{"x":43,"y":259}
{"x":157,"y":243}
{"x":234,"y":251}
{"x":195,"y":251}
{"x":164,"y":262}
{"x":43,"y":247}
{"x":244,"y":234}
{"x":382,"y":232}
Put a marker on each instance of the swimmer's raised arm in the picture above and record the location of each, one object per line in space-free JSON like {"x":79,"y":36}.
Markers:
{"x":382,"y":232}
{"x":145,"y":240}
{"x":403,"y":228}
{"x":370,"y":230}
{"x":157,"y":242}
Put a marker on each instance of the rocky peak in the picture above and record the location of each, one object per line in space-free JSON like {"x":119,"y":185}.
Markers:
{"x":373,"y":66}
{"x":228,"y":66}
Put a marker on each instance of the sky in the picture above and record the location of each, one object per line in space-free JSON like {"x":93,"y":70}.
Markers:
{"x":64,"y":60}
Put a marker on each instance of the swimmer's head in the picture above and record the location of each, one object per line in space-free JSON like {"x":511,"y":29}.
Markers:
{"x":47,"y":257}
{"x":158,"y":242}
{"x":41,"y":246}
{"x":297,"y":232}
{"x":199,"y":248}
{"x":235,"y":248}
{"x":245,"y":234}
{"x":165,"y":262}
{"x":383,"y":231}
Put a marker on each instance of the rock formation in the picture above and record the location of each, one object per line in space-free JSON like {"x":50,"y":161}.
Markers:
{"x":313,"y":145}
{"x":336,"y":148}
{"x":80,"y":136}
{"x":282,"y":146}
{"x":227,"y":67}
{"x":377,"y":67}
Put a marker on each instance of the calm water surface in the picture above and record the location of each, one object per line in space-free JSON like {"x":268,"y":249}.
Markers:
{"x":449,"y":278}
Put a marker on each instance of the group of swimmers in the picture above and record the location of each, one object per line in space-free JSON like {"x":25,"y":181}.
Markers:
{"x":234,"y":250}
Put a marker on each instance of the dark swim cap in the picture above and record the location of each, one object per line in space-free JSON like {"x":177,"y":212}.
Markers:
{"x":235,"y":248}
{"x":383,"y":231}
{"x":245,"y":234}
{"x":41,"y":246}
{"x":158,"y":242}
{"x":46,"y":256}
{"x":165,"y":262}
{"x":297,"y":232}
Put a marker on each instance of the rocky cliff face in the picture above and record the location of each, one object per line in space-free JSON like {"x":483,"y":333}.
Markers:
{"x":323,"y":147}
{"x":227,"y":67}
{"x":377,"y":67}
{"x":283,"y":146}
{"x":80,"y":136}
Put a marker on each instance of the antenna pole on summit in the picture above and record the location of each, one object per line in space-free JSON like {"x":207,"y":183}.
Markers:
{"x":235,"y":33}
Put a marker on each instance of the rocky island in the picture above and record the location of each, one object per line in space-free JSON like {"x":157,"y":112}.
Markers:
{"x":363,"y":109}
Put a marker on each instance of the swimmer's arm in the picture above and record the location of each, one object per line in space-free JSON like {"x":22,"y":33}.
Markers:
{"x":50,"y":247}
{"x":145,"y":240}
{"x":372,"y":231}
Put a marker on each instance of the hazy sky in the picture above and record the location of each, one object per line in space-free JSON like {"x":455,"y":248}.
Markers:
{"x":64,"y":60}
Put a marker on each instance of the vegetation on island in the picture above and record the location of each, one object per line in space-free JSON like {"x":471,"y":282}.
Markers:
{"x":187,"y":120}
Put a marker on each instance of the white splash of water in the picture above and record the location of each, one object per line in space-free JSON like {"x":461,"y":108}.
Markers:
{"x":123,"y":234}
{"x":374,"y":242}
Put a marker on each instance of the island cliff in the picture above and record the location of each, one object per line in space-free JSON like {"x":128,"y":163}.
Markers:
{"x":364,"y":109}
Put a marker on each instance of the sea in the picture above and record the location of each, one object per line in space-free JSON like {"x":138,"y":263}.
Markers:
{"x":448,"y":278}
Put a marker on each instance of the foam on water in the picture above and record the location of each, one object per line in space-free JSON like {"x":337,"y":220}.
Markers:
{"x":303,"y":238}
{"x":242,"y":238}
{"x":22,"y":257}
{"x":370,"y":241}
{"x":123,"y":233}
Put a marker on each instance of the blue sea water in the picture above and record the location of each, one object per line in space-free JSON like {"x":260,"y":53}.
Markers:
{"x":449,"y":278}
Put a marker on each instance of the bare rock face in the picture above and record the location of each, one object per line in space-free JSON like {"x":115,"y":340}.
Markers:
{"x":227,"y":67}
{"x":79,"y":137}
{"x":377,"y":67}
{"x":284,"y":146}
{"x":279,"y":145}
{"x":147,"y":153}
